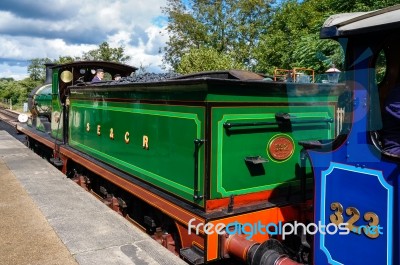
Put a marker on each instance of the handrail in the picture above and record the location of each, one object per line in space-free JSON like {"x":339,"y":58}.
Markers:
{"x":297,"y":69}
{"x":277,"y":73}
{"x":294,"y":74}
{"x":197,"y":144}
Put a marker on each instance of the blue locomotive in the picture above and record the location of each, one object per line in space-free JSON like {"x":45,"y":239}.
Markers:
{"x":356,"y":175}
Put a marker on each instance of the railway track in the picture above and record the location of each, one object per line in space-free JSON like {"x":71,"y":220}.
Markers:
{"x":9,"y":122}
{"x":9,"y":116}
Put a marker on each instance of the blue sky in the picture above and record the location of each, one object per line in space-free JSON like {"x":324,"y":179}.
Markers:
{"x":52,"y":28}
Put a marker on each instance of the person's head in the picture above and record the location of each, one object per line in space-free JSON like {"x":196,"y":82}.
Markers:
{"x":100,"y":73}
{"x":117,"y":77}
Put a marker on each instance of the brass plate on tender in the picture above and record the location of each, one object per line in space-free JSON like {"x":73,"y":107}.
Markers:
{"x":281,"y":147}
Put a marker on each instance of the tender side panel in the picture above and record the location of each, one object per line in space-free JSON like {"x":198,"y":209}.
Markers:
{"x":152,"y":142}
{"x":255,"y":148}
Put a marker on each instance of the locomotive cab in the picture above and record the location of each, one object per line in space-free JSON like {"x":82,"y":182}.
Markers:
{"x":384,"y":96}
{"x":346,"y":175}
{"x":75,"y":74}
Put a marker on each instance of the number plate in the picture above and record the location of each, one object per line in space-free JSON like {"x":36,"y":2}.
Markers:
{"x":363,"y":200}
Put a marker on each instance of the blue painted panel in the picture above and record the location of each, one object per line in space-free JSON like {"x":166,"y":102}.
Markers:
{"x":366,"y":190}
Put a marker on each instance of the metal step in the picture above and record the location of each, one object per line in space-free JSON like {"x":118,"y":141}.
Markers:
{"x":57,"y":162}
{"x":192,"y":255}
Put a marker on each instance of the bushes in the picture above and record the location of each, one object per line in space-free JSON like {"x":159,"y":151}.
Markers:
{"x":17,"y":91}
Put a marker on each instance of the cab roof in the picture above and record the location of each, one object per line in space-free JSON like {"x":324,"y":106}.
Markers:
{"x":111,"y":67}
{"x":349,"y":24}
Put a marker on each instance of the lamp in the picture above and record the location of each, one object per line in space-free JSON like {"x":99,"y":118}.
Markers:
{"x":333,"y":74}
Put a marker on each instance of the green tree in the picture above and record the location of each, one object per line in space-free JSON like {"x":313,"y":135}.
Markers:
{"x":7,"y":79}
{"x":66,"y":59}
{"x":230,"y":27}
{"x":37,"y":68}
{"x":343,"y":6}
{"x":310,"y":51}
{"x":292,"y":37}
{"x":206,"y":59}
{"x":106,"y":53}
{"x":184,"y":31}
{"x":17,"y":91}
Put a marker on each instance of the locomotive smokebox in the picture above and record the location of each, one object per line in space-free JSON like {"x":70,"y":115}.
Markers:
{"x":39,"y":100}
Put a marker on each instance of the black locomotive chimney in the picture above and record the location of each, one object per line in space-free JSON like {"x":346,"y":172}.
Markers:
{"x":49,"y":72}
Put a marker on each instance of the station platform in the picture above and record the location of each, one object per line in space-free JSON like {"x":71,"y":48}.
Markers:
{"x":47,"y":219}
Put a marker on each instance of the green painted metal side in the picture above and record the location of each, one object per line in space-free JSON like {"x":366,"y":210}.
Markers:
{"x":231,"y":175}
{"x":173,"y":115}
{"x":56,"y":114}
{"x":168,"y":162}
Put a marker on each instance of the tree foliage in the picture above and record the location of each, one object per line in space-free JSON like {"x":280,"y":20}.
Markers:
{"x":260,"y":34}
{"x":18,"y":91}
{"x":206,"y":59}
{"x":37,"y":68}
{"x":231,"y":27}
{"x":106,"y":53}
{"x":292,"y":38}
{"x":66,"y":59}
{"x":343,"y":6}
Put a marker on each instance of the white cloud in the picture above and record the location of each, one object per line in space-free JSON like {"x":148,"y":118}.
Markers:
{"x":17,"y":72}
{"x":121,"y":37}
{"x":26,"y":48}
{"x":10,"y":48}
{"x":157,"y":39}
{"x":28,"y":34}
